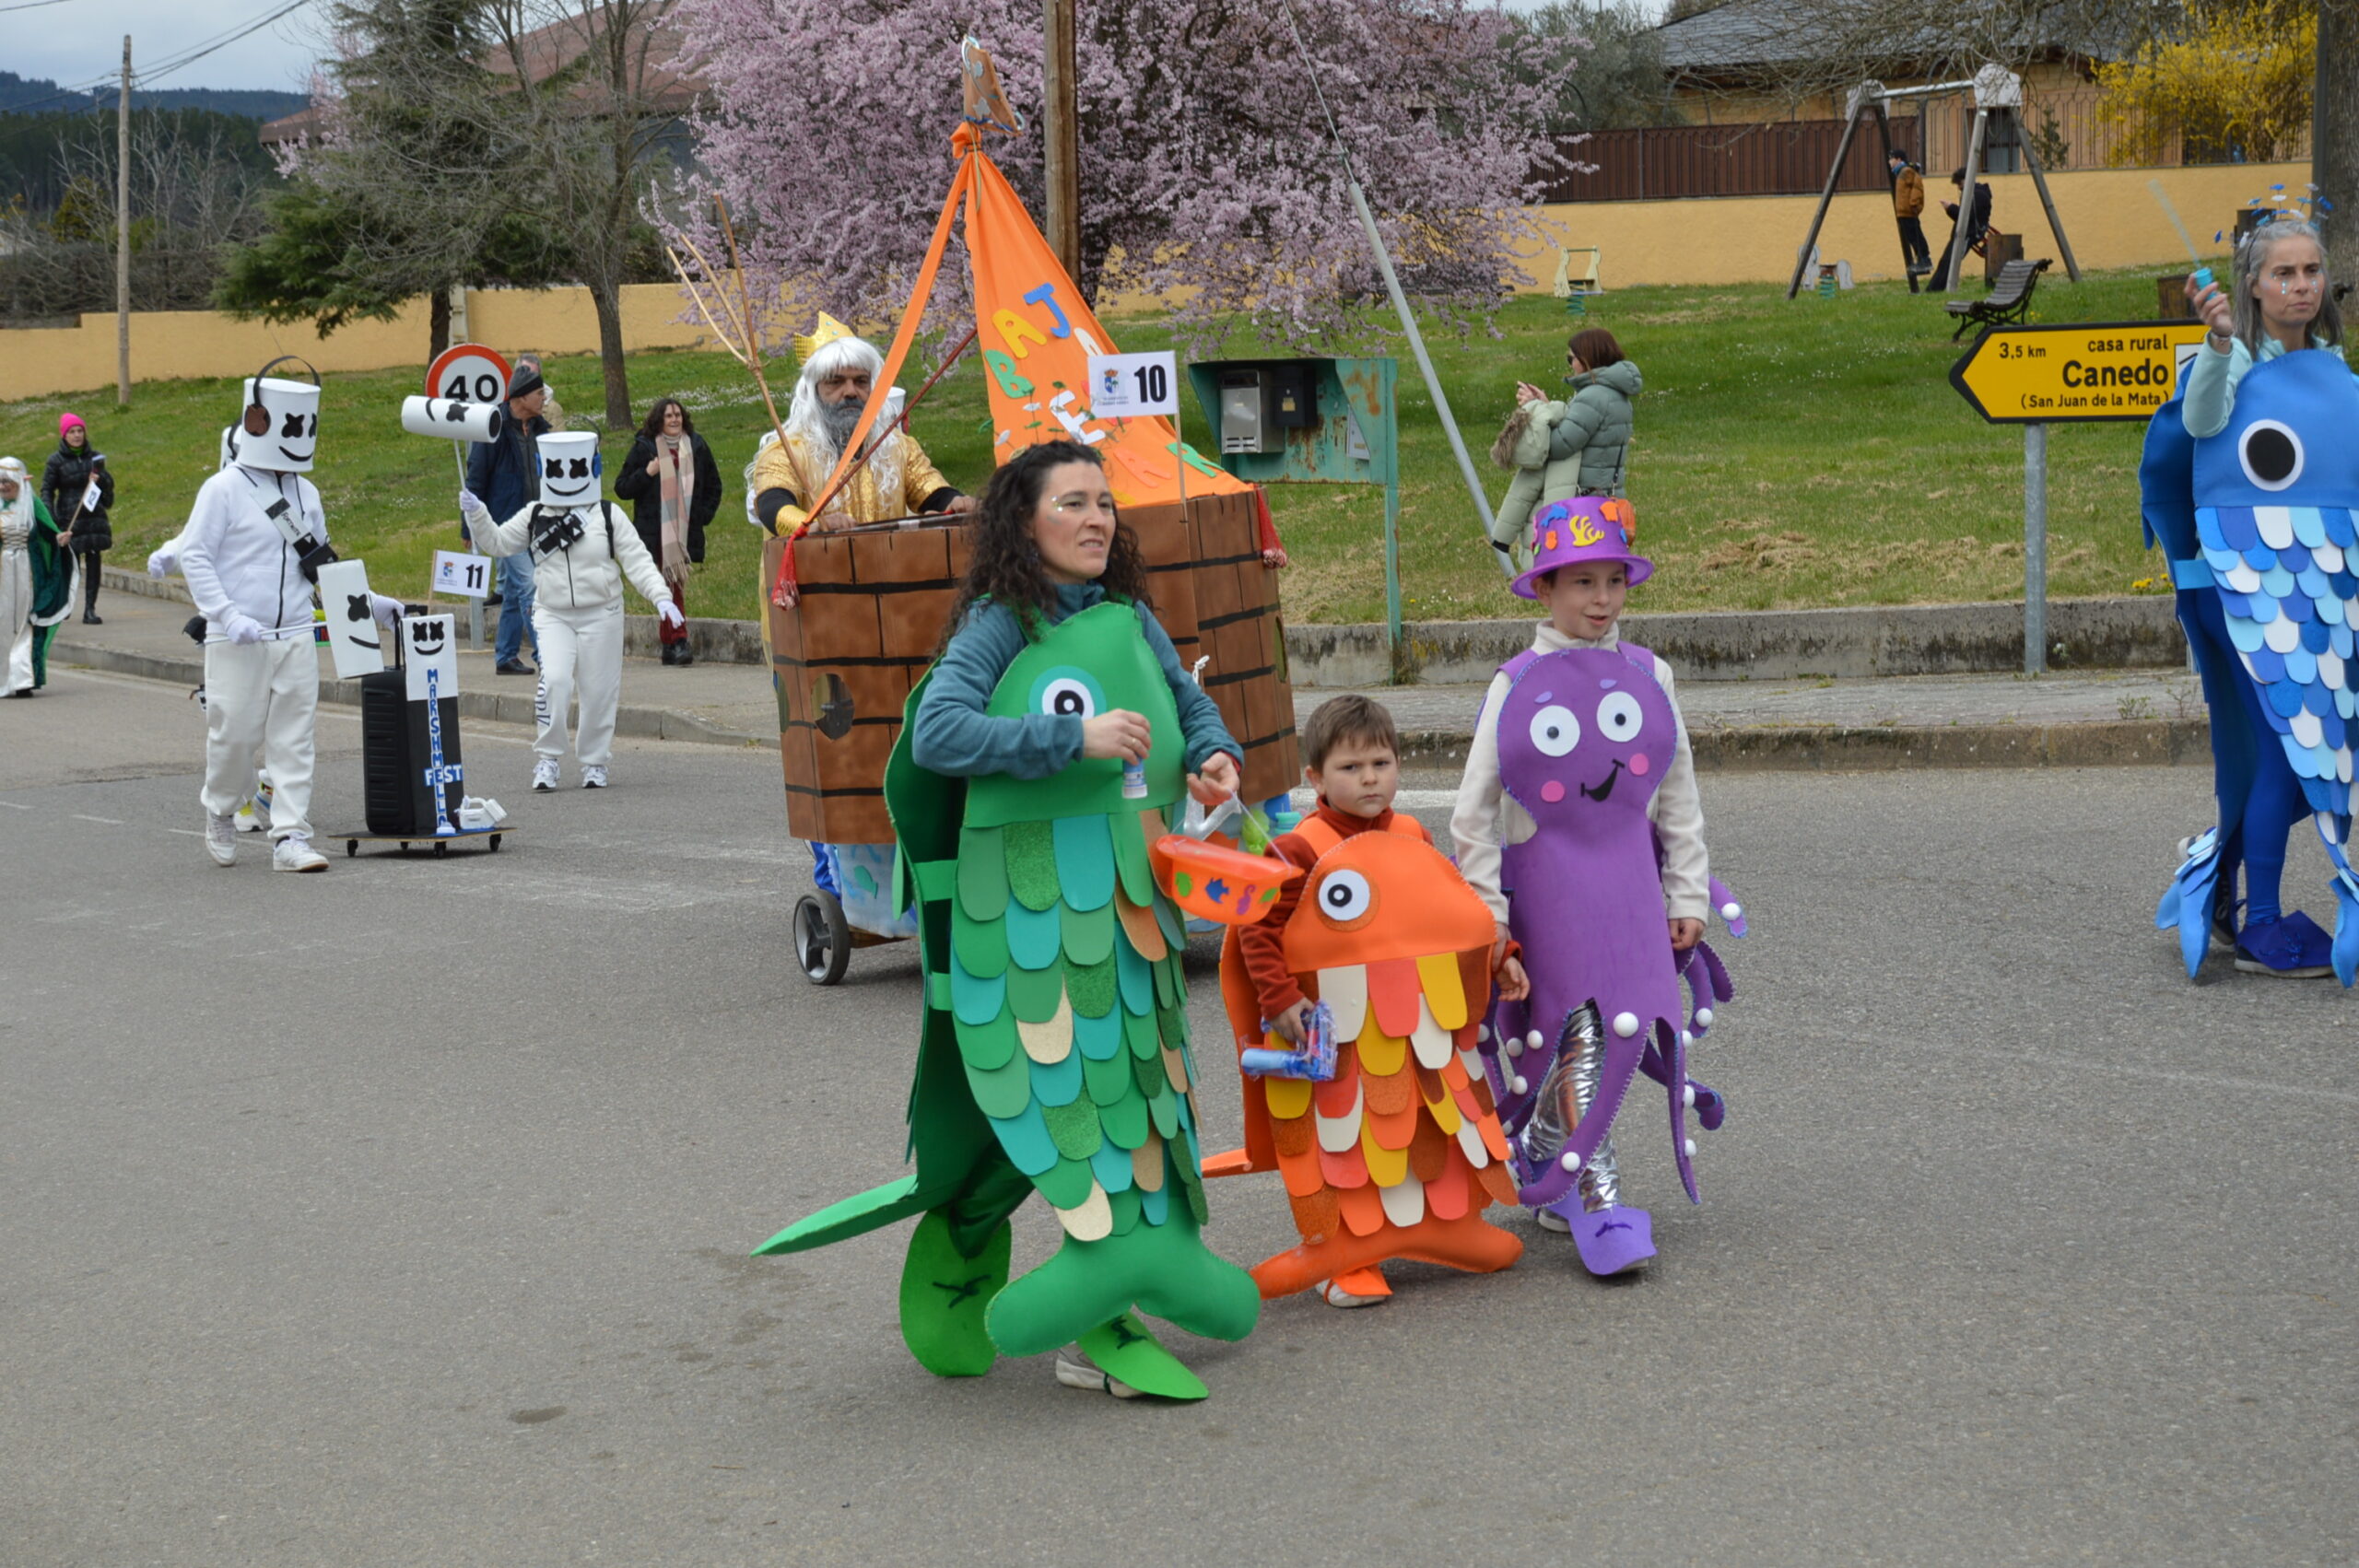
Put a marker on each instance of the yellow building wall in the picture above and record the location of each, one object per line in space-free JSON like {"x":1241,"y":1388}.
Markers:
{"x":2108,"y":214}
{"x":178,"y":345}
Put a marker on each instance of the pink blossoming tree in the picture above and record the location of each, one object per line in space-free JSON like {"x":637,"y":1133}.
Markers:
{"x":1207,"y":176}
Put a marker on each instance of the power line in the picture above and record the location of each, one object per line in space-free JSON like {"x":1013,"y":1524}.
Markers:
{"x":31,"y":5}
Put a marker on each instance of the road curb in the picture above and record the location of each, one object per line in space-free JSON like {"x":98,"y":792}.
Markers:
{"x":494,"y":706}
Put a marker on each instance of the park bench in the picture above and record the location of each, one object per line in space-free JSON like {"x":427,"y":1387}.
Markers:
{"x":2009,"y":300}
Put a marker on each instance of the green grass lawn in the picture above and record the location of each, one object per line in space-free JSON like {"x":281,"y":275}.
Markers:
{"x":1788,"y":455}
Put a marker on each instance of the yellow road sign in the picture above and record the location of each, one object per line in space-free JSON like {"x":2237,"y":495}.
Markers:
{"x":2087,"y":370}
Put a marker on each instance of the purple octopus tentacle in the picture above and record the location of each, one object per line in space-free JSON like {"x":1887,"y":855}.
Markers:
{"x":1623,"y":1054}
{"x":1683,"y":1148}
{"x":1730,"y":912}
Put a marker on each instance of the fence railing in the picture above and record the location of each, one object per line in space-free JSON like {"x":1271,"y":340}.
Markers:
{"x":1789,"y":158}
{"x":1779,"y":158}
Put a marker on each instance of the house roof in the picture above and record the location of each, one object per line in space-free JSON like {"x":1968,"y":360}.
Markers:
{"x":1743,"y":35}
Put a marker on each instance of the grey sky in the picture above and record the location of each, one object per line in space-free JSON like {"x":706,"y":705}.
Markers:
{"x":76,"y":41}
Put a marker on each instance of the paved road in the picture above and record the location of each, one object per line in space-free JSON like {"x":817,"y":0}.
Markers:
{"x":399,"y":1215}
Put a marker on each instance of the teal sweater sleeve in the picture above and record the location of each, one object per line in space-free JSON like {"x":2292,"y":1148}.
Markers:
{"x":954,"y":736}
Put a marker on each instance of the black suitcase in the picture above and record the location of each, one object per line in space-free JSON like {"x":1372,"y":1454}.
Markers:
{"x":397,"y":754}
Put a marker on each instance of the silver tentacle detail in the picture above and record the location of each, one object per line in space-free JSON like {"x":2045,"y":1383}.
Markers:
{"x":1565,"y":1094}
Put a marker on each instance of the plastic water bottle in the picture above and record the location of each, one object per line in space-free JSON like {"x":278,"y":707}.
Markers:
{"x":1134,"y":780}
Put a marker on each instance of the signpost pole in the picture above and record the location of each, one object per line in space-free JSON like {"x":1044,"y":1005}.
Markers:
{"x":2035,"y":548}
{"x":475,"y":606}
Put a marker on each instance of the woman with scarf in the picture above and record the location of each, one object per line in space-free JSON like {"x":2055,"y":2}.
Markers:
{"x":673,"y":487}
{"x":66,"y":490}
{"x":36,"y":579}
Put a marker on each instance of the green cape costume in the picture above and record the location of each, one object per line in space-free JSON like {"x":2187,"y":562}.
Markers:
{"x":1054,"y":1049}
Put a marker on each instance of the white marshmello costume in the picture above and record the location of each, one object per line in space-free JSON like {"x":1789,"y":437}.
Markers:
{"x":583,"y":547}
{"x":262,"y":671}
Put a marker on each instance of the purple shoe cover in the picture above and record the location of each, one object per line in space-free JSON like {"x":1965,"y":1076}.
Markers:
{"x":1610,"y":1240}
{"x":2290,"y":946}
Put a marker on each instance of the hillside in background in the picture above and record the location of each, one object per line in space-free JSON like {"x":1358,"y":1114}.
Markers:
{"x":37,"y":95}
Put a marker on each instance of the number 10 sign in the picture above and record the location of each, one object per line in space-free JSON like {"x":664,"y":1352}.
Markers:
{"x":1124,"y":385}
{"x":455,"y":572}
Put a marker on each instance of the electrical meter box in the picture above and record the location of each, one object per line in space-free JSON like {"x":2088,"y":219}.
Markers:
{"x":1244,"y":408}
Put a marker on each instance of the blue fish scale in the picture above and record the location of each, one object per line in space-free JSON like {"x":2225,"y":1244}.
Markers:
{"x":2314,"y":679}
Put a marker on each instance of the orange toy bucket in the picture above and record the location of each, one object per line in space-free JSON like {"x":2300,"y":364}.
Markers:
{"x":1216,"y":883}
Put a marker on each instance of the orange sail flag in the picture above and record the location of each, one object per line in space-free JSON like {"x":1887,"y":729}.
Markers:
{"x":1037,"y":338}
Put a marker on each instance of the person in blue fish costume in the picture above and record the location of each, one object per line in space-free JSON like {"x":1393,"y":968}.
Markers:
{"x":2249,"y":481}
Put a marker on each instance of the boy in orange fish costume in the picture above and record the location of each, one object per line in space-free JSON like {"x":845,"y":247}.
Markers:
{"x":1400,"y":1153}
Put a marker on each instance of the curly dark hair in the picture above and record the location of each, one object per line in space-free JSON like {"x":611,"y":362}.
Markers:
{"x":1007,"y":566}
{"x":654,"y":426}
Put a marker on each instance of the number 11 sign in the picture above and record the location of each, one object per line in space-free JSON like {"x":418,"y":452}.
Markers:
{"x":1123,"y":386}
{"x":455,"y":572}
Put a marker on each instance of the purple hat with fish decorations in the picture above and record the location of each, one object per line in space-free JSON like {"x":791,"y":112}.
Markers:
{"x":1584,"y":529}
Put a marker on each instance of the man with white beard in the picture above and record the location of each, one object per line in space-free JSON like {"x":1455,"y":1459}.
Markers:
{"x":788,"y":476}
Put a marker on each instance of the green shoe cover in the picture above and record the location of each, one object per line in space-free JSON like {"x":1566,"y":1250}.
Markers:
{"x":945,"y":1294}
{"x":1125,"y":1351}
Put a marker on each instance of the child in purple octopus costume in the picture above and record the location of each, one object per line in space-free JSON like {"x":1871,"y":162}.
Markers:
{"x":1579,"y":824}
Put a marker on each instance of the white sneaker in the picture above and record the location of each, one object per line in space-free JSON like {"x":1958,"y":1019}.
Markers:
{"x":1075,"y":1370}
{"x":1335,"y":1294}
{"x":221,"y":838}
{"x":1549,"y":1220}
{"x":250,"y":819}
{"x":295,"y":853}
{"x":593,"y":776}
{"x":544,"y":776}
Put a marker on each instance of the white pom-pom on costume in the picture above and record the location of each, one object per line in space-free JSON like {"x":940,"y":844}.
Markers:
{"x":1520,"y":1084}
{"x":1685,"y":1038}
{"x":1626,"y":1024}
{"x":1533,"y":1042}
{"x":1704,"y":1016}
{"x":1689,"y":1095}
{"x":1690,"y":1148}
{"x":1731,"y":910}
{"x":1515,"y":1047}
{"x":1571,"y":1160}
{"x":1482,"y":1032}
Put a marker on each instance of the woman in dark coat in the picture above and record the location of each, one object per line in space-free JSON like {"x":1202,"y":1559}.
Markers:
{"x":65,"y":484}
{"x":673,"y":487}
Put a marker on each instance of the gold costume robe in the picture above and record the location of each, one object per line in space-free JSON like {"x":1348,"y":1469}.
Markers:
{"x":786,"y":464}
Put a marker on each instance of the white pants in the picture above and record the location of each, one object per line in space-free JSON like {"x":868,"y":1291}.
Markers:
{"x":581,"y":651}
{"x":266,"y":695}
{"x":16,"y":617}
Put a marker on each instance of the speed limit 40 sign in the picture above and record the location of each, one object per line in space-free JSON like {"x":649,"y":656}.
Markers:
{"x":468,"y":372}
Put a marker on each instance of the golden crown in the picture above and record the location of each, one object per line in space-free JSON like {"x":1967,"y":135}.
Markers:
{"x":827,"y":332}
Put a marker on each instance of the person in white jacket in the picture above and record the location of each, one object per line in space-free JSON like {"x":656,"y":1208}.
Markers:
{"x":582,"y":546}
{"x":253,"y":541}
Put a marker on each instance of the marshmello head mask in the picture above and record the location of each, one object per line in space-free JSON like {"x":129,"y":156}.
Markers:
{"x":570,"y":468}
{"x":280,"y":429}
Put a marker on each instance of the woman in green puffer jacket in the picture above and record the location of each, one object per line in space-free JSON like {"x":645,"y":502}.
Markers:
{"x":1579,"y":447}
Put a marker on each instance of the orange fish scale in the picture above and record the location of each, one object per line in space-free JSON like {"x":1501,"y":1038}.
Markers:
{"x":1396,"y":1130}
{"x":1297,"y":1135}
{"x":1391,"y":1094}
{"x":1493,"y":1139}
{"x":1395,"y":993}
{"x":1497,"y":1183}
{"x":1141,"y":927}
{"x":1335,"y":1097}
{"x":1429,"y":1085}
{"x":1301,"y":1174}
{"x":1475,"y":975}
{"x":1346,"y":1169}
{"x":1446,"y":1193}
{"x":1362,"y":1210}
{"x":1428,"y":1149}
{"x":1316,"y":1214}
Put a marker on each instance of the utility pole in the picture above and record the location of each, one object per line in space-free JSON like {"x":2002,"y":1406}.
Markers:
{"x":1061,"y":138}
{"x":123,"y":235}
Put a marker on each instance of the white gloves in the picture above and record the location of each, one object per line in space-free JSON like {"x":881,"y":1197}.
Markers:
{"x":468,"y":502}
{"x":241,"y":629}
{"x":164,"y":562}
{"x":388,"y":611}
{"x":669,"y":613}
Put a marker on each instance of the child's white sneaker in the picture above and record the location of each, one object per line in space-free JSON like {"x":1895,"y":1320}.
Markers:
{"x":1335,"y":1294}
{"x":294,"y":853}
{"x":593,"y":776}
{"x":544,"y":776}
{"x":221,"y":838}
{"x":1549,"y":1220}
{"x":1075,"y":1370}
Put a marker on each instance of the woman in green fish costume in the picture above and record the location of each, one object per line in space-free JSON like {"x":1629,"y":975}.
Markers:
{"x":1055,"y":1046}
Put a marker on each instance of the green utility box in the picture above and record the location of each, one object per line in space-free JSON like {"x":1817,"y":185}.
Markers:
{"x":1311,"y":421}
